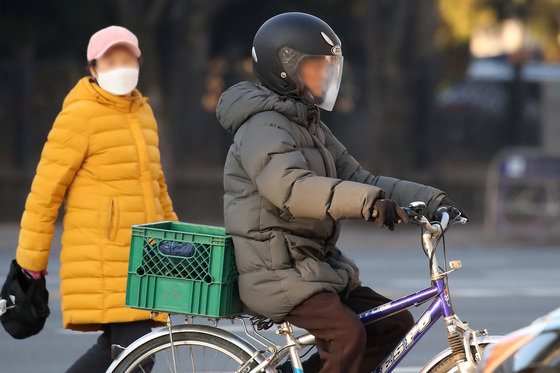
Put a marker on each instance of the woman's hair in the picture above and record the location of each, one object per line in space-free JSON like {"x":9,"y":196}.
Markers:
{"x":92,"y":63}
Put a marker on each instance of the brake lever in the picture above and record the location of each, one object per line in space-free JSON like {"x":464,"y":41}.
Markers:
{"x":461,"y":220}
{"x":417,"y":221}
{"x":415,"y":216}
{"x":454,"y":213}
{"x":412,"y":214}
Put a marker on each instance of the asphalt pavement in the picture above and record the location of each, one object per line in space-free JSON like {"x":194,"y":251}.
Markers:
{"x":503,"y":285}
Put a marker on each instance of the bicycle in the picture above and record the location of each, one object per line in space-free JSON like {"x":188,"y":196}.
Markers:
{"x":205,"y":348}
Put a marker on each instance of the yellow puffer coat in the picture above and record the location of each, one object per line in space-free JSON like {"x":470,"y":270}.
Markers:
{"x":102,"y":157}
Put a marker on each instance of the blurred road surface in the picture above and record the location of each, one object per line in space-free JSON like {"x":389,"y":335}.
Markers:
{"x":503,"y":285}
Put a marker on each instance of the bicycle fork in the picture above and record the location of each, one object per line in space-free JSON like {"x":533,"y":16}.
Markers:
{"x":462,"y":340}
{"x":460,"y":336}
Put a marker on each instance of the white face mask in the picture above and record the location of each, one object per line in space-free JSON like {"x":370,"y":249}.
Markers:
{"x":120,"y":81}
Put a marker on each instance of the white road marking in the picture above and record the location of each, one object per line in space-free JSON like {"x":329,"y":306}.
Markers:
{"x":505,"y":293}
{"x":536,"y":292}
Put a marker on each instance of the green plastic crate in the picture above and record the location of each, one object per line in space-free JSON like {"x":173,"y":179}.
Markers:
{"x":204,"y":283}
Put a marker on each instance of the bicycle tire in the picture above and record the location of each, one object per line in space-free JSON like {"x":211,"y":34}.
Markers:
{"x":137,"y":360}
{"x":447,"y":365}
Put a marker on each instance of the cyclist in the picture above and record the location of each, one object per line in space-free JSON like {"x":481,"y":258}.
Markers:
{"x":288,"y":181}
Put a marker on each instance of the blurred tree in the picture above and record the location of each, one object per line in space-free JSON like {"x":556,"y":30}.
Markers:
{"x":36,"y":61}
{"x":144,"y":18}
{"x":400,"y":75}
{"x":541,"y":17}
{"x":396,"y":53}
{"x":461,"y":18}
{"x":39,"y":24}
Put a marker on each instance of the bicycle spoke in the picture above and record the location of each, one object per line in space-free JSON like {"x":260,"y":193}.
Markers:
{"x":192,"y":358}
{"x":196,"y":357}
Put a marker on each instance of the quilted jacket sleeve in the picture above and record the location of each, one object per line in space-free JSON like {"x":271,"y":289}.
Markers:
{"x":269,"y":155}
{"x":165,"y":200}
{"x":62,"y":156}
{"x":401,"y":191}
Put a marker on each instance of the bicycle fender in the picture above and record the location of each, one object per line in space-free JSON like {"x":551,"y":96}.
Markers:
{"x":193,"y":328}
{"x":491,"y":339}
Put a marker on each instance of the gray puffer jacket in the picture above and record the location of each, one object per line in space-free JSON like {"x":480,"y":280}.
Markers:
{"x":288,"y":181}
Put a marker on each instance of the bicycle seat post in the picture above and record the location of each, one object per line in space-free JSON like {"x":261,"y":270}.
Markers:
{"x":286,"y":329}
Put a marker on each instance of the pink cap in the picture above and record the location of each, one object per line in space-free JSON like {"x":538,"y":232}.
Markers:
{"x":105,"y":38}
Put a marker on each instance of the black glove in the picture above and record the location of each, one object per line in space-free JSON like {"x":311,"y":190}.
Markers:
{"x":446,"y":201}
{"x":387,"y":213}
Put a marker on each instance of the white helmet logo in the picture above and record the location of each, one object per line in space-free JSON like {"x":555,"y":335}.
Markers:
{"x":327,"y":39}
{"x":254,"y":53}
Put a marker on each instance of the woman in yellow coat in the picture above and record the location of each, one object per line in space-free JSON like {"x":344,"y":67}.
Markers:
{"x":102,"y":159}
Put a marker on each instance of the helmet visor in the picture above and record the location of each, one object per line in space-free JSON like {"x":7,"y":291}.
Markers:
{"x":316,"y":76}
{"x":320,"y":78}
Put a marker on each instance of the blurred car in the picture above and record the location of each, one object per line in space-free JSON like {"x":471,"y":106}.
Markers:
{"x":533,"y":349}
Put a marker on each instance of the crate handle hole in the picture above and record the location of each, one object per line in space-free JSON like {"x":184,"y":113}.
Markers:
{"x":140,"y":271}
{"x":208,"y":279}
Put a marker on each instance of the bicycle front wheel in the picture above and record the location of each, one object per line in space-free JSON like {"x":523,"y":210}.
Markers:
{"x":194,"y":352}
{"x":448,"y":365}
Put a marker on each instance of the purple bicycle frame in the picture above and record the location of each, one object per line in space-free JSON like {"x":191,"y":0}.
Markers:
{"x":440,"y":307}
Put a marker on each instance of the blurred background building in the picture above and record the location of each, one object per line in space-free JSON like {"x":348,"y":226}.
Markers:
{"x":443,"y":92}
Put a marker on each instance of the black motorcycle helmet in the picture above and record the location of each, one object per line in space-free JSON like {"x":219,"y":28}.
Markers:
{"x":284,"y":42}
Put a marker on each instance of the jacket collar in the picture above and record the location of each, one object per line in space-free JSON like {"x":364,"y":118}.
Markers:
{"x":245,"y":99}
{"x":88,"y":89}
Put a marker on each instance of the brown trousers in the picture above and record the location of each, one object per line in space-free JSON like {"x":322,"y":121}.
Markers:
{"x":343,"y":343}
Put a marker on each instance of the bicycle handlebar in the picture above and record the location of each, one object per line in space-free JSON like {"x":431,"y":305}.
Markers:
{"x":435,"y":228}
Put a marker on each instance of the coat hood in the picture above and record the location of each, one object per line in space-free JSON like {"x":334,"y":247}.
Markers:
{"x":243,"y":100}
{"x":87,"y":89}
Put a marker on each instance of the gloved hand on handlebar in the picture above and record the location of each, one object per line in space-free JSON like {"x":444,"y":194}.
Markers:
{"x":387,"y":213}
{"x":447,"y":202}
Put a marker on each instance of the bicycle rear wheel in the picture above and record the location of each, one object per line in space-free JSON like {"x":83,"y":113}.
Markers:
{"x":194,"y":352}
